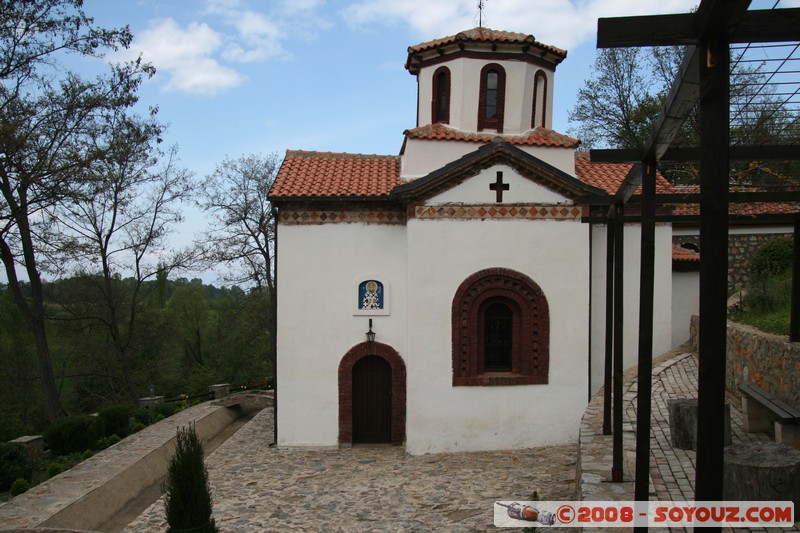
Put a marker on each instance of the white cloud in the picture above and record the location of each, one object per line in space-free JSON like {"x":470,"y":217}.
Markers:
{"x":258,"y":37}
{"x":185,"y":56}
{"x":562,"y":23}
{"x":201,"y":56}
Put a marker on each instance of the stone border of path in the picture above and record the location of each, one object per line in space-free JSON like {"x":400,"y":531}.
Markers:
{"x":86,"y":495}
{"x":593,"y":478}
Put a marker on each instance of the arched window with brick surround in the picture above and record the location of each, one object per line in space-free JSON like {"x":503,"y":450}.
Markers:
{"x":501,"y":330}
{"x":492,"y":97}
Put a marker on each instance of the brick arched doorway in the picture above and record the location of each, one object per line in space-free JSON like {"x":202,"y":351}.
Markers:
{"x":397,"y":385}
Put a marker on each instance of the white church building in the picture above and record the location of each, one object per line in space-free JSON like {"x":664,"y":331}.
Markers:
{"x":452,"y":298}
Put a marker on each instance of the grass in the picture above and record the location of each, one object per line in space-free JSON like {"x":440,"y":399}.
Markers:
{"x":775,"y":321}
{"x":767,"y":305}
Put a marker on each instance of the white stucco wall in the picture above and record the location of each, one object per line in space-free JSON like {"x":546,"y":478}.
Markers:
{"x":317,"y":268}
{"x":685,"y":303}
{"x":441,"y":255}
{"x":421,"y":157}
{"x":475,"y":190}
{"x":465,"y":89}
{"x":662,"y":312}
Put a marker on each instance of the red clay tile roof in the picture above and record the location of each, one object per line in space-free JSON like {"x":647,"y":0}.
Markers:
{"x":736,"y":209}
{"x":328,"y":174}
{"x":486,"y":35}
{"x":536,"y":137}
{"x":609,"y":176}
{"x":680,"y":253}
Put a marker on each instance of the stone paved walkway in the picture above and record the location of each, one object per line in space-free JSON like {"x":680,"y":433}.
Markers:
{"x":258,"y":488}
{"x":672,"y":471}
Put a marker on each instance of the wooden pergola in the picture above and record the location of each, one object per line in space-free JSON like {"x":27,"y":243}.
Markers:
{"x":703,"y":80}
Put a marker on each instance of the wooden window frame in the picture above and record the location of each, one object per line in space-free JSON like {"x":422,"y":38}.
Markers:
{"x":530,"y":356}
{"x":495,"y":123}
{"x":435,"y":118}
{"x":540,"y":75}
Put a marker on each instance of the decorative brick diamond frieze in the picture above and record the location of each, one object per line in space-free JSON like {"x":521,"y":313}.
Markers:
{"x":521,"y":211}
{"x":312,"y":217}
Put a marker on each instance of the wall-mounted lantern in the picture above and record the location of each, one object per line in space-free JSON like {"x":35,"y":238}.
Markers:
{"x":370,"y":334}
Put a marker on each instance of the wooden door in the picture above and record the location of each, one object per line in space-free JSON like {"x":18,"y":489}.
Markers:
{"x":372,"y":400}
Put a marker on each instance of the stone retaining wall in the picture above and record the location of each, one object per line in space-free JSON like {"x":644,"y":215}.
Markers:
{"x":768,"y":361}
{"x":87,"y":495}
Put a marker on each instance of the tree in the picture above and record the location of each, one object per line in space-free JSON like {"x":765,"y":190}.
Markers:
{"x":189,"y":309}
{"x":617,"y":105}
{"x":235,"y":194}
{"x":117,"y":221}
{"x":627,"y":89}
{"x":47,"y":122}
{"x":187,"y":494}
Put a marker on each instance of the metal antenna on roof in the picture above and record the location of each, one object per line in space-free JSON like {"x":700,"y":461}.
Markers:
{"x":481,"y":7}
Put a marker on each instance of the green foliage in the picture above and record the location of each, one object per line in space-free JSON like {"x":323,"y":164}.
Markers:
{"x":773,"y":258}
{"x":136,"y":427}
{"x":19,"y":486}
{"x":235,"y":347}
{"x":73,"y":434}
{"x":143,"y":416}
{"x":62,"y":463}
{"x":187,"y":494}
{"x":116,"y":420}
{"x":166,"y":409}
{"x":107,"y":442}
{"x":87,"y":454}
{"x":767,"y":302}
{"x":53,"y":469}
{"x":14,"y":463}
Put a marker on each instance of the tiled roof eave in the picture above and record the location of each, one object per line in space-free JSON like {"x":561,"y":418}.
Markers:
{"x":340,"y":198}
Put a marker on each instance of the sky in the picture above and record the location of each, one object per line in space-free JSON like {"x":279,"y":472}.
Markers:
{"x":238,"y":77}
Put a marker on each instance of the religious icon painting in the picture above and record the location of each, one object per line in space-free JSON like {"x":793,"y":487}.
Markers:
{"x":372,"y":298}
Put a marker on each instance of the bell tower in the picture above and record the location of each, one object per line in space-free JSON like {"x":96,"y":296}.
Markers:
{"x":484,"y":80}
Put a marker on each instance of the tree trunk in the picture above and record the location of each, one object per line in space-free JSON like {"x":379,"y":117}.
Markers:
{"x":33,"y":314}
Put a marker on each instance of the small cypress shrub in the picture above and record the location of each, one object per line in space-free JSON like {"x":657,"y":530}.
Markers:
{"x":14,"y":463}
{"x":187,"y":494}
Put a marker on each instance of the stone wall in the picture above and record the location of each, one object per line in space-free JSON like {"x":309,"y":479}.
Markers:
{"x":741,"y":247}
{"x":768,"y":361}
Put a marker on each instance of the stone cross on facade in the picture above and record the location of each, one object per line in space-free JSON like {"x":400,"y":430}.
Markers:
{"x":498,"y":186}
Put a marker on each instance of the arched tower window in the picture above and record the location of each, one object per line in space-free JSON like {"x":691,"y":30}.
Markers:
{"x":539,"y":113}
{"x":440,"y":105}
{"x":491,"y":101}
{"x":501,"y":330}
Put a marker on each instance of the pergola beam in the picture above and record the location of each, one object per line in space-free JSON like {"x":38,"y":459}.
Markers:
{"x":759,"y":26}
{"x":780,"y":152}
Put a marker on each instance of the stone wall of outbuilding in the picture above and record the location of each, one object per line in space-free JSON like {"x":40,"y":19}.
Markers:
{"x":741,"y":247}
{"x":769,"y":361}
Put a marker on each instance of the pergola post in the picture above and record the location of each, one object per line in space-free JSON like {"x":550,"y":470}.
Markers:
{"x":619,"y":274}
{"x":794,"y":321}
{"x":646,"y":301}
{"x":714,"y":174}
{"x":609,"y":353}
